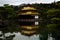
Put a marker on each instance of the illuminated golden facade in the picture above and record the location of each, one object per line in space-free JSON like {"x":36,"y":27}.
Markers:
{"x":29,"y":13}
{"x":29,"y":19}
{"x":28,"y":8}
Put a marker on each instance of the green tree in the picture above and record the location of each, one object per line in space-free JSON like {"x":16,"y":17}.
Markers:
{"x":53,"y":22}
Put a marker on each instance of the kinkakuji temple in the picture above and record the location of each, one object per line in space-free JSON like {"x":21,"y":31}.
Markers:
{"x":28,"y":19}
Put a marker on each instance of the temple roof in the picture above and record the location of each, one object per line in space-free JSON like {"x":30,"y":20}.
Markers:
{"x":28,"y":10}
{"x":29,"y":5}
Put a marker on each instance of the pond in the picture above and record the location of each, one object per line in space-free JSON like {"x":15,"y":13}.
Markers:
{"x":19,"y":36}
